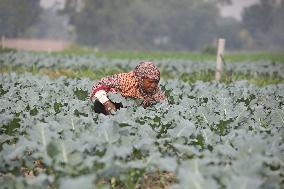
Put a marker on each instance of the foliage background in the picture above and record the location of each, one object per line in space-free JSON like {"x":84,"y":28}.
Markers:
{"x":148,"y":25}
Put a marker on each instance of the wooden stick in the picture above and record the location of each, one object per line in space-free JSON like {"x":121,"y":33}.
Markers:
{"x":3,"y":42}
{"x":219,"y":62}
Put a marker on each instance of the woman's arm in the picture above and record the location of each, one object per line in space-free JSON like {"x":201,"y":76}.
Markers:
{"x":106,"y":84}
{"x":100,"y":89}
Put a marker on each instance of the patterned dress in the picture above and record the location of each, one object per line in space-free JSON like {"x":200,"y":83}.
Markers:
{"x":130,"y":84}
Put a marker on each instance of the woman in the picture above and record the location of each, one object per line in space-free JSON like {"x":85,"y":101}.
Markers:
{"x":140,"y":83}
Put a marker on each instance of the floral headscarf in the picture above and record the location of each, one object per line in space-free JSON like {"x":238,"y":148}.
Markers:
{"x":146,"y":70}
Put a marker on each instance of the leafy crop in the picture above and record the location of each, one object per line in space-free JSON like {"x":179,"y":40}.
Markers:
{"x":209,"y":134}
{"x":171,"y":68}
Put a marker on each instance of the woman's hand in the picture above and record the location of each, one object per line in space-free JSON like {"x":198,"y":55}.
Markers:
{"x":109,"y":107}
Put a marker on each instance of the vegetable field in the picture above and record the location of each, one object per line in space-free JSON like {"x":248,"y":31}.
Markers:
{"x":208,"y":134}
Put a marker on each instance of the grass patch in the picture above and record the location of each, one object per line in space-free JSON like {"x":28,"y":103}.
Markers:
{"x":55,"y":73}
{"x":238,"y":56}
{"x":271,"y":56}
{"x":277,"y":57}
{"x":6,"y":50}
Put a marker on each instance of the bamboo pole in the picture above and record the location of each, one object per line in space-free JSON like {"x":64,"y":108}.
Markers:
{"x":220,"y":55}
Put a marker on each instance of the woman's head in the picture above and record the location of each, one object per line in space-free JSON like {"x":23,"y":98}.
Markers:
{"x":148,"y":76}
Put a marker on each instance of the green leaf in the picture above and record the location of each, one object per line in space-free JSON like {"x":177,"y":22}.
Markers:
{"x":81,"y":94}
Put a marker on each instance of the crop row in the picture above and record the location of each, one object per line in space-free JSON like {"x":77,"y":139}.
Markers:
{"x":174,"y":68}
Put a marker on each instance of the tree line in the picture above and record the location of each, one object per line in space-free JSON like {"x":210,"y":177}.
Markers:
{"x":154,"y":24}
